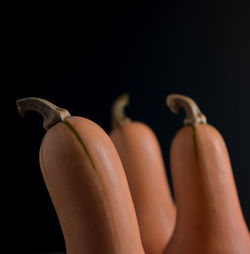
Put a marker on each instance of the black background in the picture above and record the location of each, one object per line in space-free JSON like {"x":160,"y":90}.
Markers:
{"x":82,"y":57}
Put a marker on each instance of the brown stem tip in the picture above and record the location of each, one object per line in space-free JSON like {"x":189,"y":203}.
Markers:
{"x":193,"y":113}
{"x":119,"y":119}
{"x":50,"y":112}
